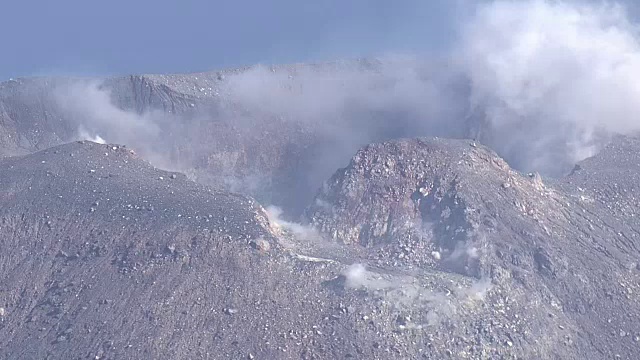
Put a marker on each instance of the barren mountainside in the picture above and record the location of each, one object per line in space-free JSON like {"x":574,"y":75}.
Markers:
{"x":558,"y":252}
{"x":415,"y":248}
{"x":234,"y":128}
{"x":105,"y":257}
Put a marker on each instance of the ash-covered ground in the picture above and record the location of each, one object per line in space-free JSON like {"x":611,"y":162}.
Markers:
{"x":419,"y":248}
{"x":390,"y":208}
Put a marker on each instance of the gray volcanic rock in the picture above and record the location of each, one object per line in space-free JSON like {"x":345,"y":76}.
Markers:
{"x":103,"y":256}
{"x":610,"y":181}
{"x":560,"y":259}
{"x":29,"y":117}
{"x":419,"y":248}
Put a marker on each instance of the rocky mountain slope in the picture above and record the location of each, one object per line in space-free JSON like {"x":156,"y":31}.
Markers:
{"x":426,"y":248}
{"x":104,"y":256}
{"x":560,"y":256}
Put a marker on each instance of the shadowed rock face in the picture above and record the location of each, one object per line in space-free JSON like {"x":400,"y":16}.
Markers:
{"x":569,"y":247}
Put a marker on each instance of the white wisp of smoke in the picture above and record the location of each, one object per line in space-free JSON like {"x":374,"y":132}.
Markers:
{"x":84,"y":135}
{"x":92,"y":108}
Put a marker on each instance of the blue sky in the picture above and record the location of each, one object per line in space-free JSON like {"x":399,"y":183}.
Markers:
{"x":89,"y":37}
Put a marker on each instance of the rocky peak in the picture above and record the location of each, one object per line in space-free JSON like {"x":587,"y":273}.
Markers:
{"x":434,"y":194}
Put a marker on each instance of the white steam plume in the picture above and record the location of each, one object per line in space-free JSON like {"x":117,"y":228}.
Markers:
{"x":89,"y":105}
{"x":84,"y":135}
{"x":300,"y":232}
{"x":544,"y":83}
{"x":551,"y":79}
{"x":92,"y":107}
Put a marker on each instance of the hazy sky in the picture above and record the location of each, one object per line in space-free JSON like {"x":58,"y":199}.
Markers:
{"x":88,"y":37}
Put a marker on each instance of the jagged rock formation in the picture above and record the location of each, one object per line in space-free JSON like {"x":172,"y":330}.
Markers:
{"x":564,"y":260}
